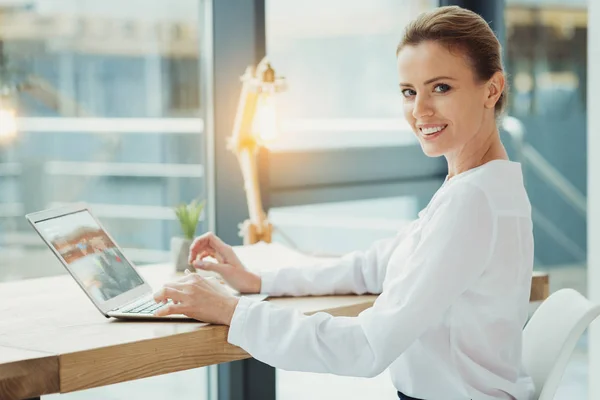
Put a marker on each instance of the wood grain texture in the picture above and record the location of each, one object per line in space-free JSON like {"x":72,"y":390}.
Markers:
{"x":25,"y":373}
{"x":128,"y":361}
{"x":540,"y":286}
{"x":54,"y":316}
{"x":192,"y":348}
{"x":72,"y":346}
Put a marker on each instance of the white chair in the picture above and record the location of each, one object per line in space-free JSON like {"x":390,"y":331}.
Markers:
{"x":551,"y":335}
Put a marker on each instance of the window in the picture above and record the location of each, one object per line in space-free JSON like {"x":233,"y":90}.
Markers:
{"x":110,"y":112}
{"x":340,"y":65}
{"x":339,"y":60}
{"x":546,"y":57}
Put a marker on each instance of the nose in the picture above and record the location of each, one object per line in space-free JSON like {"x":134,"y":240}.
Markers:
{"x":422,"y":107}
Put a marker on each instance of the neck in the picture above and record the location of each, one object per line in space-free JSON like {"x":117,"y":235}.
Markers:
{"x":484,"y":148}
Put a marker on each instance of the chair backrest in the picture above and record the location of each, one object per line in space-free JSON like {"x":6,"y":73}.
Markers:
{"x":551,"y":335}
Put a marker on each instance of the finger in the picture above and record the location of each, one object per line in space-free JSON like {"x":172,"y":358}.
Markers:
{"x":220,"y":259}
{"x":210,"y":266}
{"x":180,"y":286}
{"x":173,"y":284}
{"x":200,"y":244}
{"x":187,"y":281}
{"x":183,"y":279}
{"x":170,"y":310}
{"x":208,"y":241}
{"x":206,"y":253}
{"x":210,"y":253}
{"x":167,"y":293}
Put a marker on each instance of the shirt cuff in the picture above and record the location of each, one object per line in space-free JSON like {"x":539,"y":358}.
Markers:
{"x":238,"y":322}
{"x":266,"y":281}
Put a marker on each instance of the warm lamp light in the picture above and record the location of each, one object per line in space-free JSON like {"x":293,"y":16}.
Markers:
{"x":8,"y":115}
{"x":265,"y":127}
{"x":8,"y":124}
{"x":256,"y":124}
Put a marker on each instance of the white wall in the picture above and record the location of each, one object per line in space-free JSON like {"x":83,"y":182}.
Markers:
{"x":593,"y":106}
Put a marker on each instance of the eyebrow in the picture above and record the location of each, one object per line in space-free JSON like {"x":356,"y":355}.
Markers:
{"x":428,"y":81}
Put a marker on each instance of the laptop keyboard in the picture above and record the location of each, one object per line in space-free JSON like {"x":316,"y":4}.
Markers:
{"x":148,"y":307}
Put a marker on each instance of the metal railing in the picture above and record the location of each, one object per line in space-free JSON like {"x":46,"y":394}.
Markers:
{"x":102,"y":165}
{"x":529,"y":157}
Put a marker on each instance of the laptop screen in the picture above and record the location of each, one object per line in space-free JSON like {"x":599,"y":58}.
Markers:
{"x":90,"y":254}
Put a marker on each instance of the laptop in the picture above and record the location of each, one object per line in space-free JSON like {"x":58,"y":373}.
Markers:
{"x":97,"y":263}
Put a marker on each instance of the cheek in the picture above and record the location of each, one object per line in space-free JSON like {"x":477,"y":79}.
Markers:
{"x":465,"y":115}
{"x":467,"y":106}
{"x":455,"y":109}
{"x":448,"y":106}
{"x":407,"y":108}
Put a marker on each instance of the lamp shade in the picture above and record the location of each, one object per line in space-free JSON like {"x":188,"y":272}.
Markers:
{"x":8,"y":124}
{"x":265,"y":125}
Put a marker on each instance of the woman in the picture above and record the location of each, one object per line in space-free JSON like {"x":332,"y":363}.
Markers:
{"x":454,"y":285}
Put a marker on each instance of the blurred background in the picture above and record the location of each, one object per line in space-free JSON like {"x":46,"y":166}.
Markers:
{"x":126,"y":104}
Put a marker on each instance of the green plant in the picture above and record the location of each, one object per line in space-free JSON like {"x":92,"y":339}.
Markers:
{"x":188,"y":216}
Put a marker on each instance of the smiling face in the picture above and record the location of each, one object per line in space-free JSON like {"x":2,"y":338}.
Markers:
{"x":446,"y":106}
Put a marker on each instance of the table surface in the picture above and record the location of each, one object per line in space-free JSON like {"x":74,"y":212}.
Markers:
{"x":53,"y":339}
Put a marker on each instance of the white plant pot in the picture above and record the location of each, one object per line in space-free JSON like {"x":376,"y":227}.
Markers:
{"x":180,"y":252}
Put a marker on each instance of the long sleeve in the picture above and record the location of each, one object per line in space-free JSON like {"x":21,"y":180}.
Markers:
{"x":358,"y":272}
{"x":454,"y":248}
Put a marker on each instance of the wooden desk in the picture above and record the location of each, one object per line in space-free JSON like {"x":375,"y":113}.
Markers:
{"x":52,"y":339}
{"x":25,"y":373}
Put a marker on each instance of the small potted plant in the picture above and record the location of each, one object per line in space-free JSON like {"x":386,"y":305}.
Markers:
{"x":188,"y":216}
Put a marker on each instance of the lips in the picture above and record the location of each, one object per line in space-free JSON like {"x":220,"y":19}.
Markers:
{"x":431,"y":131}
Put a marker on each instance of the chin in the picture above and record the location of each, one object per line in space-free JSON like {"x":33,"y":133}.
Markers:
{"x":432,"y":151}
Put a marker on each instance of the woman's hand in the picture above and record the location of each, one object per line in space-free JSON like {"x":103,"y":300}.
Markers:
{"x":228,"y":264}
{"x":197,"y":298}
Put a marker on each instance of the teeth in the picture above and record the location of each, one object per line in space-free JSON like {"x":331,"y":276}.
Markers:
{"x":430,"y":131}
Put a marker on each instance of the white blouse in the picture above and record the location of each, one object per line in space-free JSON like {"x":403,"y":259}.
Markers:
{"x":454,"y":290}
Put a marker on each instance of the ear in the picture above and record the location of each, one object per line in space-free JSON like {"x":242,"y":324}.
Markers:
{"x":495,"y":87}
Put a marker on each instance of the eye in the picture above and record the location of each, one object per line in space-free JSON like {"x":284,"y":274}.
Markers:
{"x":441,"y":88}
{"x":408,"y":92}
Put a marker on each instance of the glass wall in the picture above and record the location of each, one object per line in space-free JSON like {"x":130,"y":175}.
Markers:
{"x":340,"y":64}
{"x":546,"y":60}
{"x":110,"y":107}
{"x":339,"y":59}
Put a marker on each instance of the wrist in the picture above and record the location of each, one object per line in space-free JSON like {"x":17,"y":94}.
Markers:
{"x":257,"y":283}
{"x":230,"y":306}
{"x":252,"y":283}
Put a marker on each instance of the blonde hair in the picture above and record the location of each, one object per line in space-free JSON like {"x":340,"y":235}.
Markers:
{"x":460,"y":29}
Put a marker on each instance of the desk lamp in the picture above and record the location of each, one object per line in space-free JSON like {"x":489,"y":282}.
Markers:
{"x":8,"y":119}
{"x":255,"y":125}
